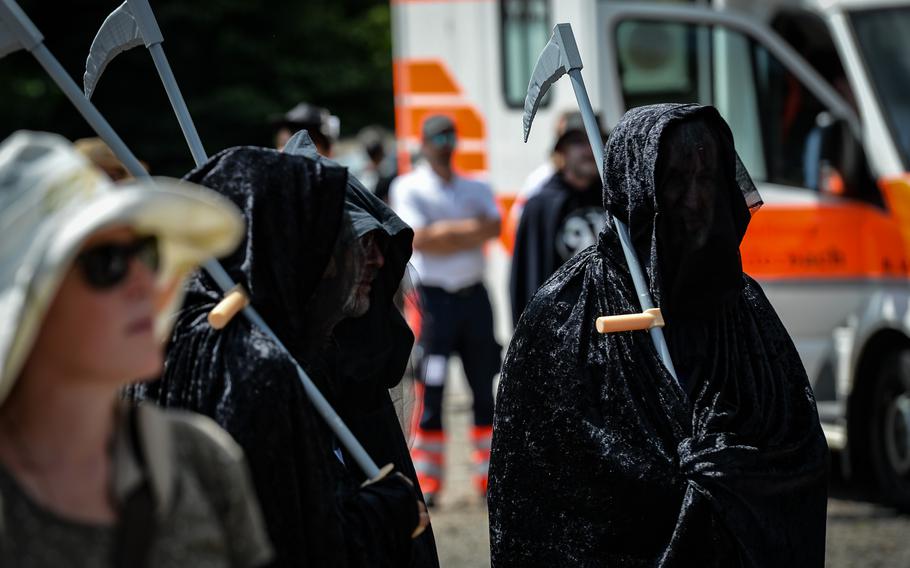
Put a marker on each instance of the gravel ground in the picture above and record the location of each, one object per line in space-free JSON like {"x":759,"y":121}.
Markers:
{"x":460,"y":519}
{"x":860,"y":532}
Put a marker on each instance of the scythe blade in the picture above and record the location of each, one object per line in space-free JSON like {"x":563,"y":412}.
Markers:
{"x":558,"y":58}
{"x":119,"y":32}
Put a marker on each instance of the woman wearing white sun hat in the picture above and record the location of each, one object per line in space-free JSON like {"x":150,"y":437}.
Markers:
{"x":89,"y":273}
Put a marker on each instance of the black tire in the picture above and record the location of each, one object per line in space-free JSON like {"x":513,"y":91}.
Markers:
{"x":889,"y":429}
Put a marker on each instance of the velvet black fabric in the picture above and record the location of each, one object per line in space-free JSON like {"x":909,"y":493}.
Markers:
{"x":557,"y":223}
{"x":315,"y":512}
{"x":373,"y":350}
{"x":599,"y":457}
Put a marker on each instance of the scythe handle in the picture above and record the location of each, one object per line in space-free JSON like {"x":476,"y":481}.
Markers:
{"x":590,"y":120}
{"x":628,"y":250}
{"x":225,"y":310}
{"x":178,"y":104}
{"x":630,"y":322}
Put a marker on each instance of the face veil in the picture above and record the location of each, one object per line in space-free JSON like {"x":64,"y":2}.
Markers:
{"x":701,"y":219}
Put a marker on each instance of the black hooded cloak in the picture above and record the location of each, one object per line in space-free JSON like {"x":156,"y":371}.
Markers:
{"x":373,"y":350}
{"x":599,"y":457}
{"x":315,"y":513}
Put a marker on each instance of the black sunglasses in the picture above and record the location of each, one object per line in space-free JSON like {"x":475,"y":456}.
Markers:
{"x":107,"y":265}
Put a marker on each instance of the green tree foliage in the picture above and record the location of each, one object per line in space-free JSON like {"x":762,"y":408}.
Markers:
{"x":239,"y":64}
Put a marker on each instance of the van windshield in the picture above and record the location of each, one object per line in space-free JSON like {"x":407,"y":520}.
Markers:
{"x":884,"y":39}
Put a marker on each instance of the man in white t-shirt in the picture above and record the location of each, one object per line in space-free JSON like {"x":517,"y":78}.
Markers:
{"x":452,"y":218}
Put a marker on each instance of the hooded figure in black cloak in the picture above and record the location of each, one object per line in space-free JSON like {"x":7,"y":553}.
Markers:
{"x":373,"y":348}
{"x":599,"y":457}
{"x":300,"y":263}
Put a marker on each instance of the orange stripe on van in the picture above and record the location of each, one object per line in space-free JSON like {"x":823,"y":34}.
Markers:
{"x":469,"y":161}
{"x":414,"y":78}
{"x":422,"y":77}
{"x":850,"y":240}
{"x":468,"y":122}
{"x":897,"y":196}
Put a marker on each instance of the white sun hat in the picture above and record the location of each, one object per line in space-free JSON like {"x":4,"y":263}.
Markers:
{"x":52,"y":199}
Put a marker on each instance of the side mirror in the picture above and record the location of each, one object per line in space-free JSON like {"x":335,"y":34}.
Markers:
{"x":834,"y":160}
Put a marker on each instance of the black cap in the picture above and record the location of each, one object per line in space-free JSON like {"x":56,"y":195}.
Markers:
{"x":437,"y":124}
{"x":574,"y":131}
{"x":309,"y":117}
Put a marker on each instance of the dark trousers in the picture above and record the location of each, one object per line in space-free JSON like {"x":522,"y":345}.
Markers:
{"x":457,"y":322}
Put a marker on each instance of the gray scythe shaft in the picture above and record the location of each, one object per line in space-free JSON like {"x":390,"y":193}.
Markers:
{"x":560,"y":57}
{"x":151,"y":36}
{"x":31,"y":39}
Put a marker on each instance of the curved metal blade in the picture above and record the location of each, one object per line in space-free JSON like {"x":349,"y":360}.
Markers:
{"x":558,"y":57}
{"x":118,"y":33}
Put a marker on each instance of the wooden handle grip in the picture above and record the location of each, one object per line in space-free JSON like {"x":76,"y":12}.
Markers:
{"x":630,"y":322}
{"x":384,"y":472}
{"x":233,"y":302}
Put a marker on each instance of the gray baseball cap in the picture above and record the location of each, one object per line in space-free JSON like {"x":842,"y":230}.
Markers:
{"x":437,"y":124}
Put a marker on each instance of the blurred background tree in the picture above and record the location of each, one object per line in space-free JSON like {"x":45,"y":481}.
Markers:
{"x":238,"y":64}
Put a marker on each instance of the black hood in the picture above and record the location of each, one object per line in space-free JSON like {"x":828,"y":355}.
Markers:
{"x":293,"y":208}
{"x":681,"y":276}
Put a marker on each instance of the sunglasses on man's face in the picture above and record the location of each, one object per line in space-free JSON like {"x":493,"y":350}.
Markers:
{"x":443,"y":139}
{"x":106,"y":265}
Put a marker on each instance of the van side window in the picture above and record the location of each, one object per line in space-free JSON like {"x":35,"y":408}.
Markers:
{"x":524,"y":31}
{"x":693,"y":63}
{"x":788,"y":110}
{"x":788,"y":113}
{"x":773,"y":116}
{"x":664,"y":62}
{"x":808,"y":35}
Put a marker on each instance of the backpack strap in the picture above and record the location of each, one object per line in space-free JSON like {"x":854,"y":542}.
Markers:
{"x":136,"y":525}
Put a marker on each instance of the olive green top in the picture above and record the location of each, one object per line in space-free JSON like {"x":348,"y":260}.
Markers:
{"x":205,"y":508}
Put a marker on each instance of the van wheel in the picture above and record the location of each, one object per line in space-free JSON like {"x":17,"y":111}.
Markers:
{"x":890,"y":429}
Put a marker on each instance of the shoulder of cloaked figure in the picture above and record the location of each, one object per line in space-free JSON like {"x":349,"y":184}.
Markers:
{"x":255,"y":366}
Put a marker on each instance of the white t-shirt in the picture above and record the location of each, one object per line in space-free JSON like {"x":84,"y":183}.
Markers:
{"x":422,"y":198}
